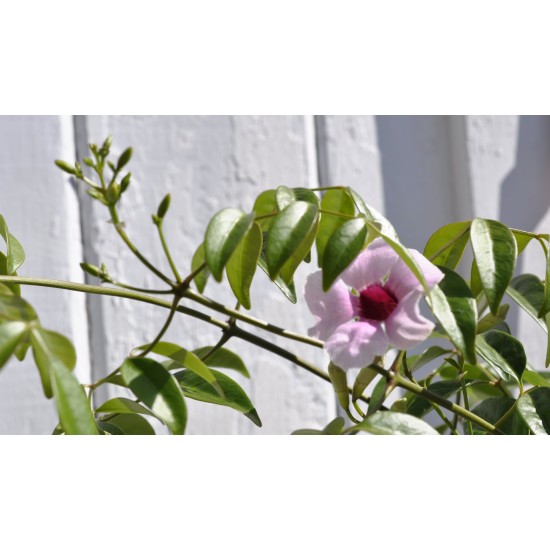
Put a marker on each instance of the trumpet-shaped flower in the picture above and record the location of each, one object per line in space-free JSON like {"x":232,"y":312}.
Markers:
{"x":382,"y":310}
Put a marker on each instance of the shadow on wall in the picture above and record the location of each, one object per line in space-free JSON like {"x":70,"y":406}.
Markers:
{"x":525,"y":193}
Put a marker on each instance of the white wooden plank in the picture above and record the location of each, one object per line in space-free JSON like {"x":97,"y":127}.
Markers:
{"x":207,"y":163}
{"x":41,"y":209}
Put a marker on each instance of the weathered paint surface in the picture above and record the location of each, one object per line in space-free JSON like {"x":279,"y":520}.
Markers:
{"x":422,"y":172}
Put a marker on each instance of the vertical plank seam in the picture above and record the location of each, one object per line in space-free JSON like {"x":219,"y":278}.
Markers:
{"x":96,"y":340}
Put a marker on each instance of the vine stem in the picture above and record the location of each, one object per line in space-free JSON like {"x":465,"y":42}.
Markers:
{"x":119,"y":229}
{"x":167,"y":252}
{"x":229,"y":328}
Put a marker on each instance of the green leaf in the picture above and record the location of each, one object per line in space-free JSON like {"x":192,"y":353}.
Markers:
{"x":14,"y":308}
{"x":426,"y":356}
{"x":290,"y":238}
{"x":109,"y":429}
{"x":545,"y":306}
{"x":48,"y":348}
{"x":536,"y":402}
{"x":287,"y":289}
{"x":528,"y":411}
{"x":523,"y":238}
{"x":342,"y":248}
{"x":493,"y":409}
{"x":186,"y":359}
{"x":265,"y":204}
{"x":446,"y":246}
{"x":123,"y":405}
{"x":11,"y":333}
{"x":336,"y":427}
{"x":222,"y":358}
{"x":490,"y":321}
{"x":475,"y":280}
{"x":378,"y":396}
{"x":15,"y":255}
{"x":455,"y":308}
{"x":8,"y":288}
{"x":536,"y":378}
{"x":235,"y":397}
{"x":224,"y":233}
{"x":198,"y":260}
{"x":55,"y":357}
{"x":503,"y":352}
{"x":307,"y":431}
{"x":241,"y":266}
{"x":419,"y":406}
{"x":372,"y":215}
{"x":131,"y":424}
{"x":334,"y":200}
{"x":403,"y":253}
{"x":363,"y":379}
{"x":285,"y":196}
{"x":495,"y":252}
{"x":395,"y":423}
{"x":152,"y":384}
{"x":339,"y":382}
{"x":528,"y":292}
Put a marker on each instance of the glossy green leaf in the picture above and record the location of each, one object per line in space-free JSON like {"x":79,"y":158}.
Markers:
{"x":152,"y":384}
{"x":109,"y":429}
{"x":418,"y":406}
{"x":456,"y":310}
{"x":490,"y":321}
{"x":528,"y":292}
{"x":224,"y":233}
{"x":539,"y":399}
{"x":528,"y":411}
{"x":290,"y":238}
{"x":222,"y":358}
{"x":426,"y":356}
{"x":235,"y":397}
{"x":123,"y":405}
{"x":503,"y":352}
{"x":372,"y":215}
{"x":403,"y":253}
{"x":446,"y":246}
{"x":523,"y":238}
{"x":266,"y":204}
{"x":15,"y":255}
{"x":198,"y":260}
{"x":131,"y":424}
{"x":495,"y":252}
{"x":545,"y":306}
{"x":75,"y":414}
{"x":377,"y":396}
{"x":307,"y":431}
{"x":9,"y":288}
{"x":285,"y":196}
{"x":536,"y":378}
{"x":51,"y":348}
{"x":493,"y":409}
{"x":302,"y":253}
{"x":11,"y":333}
{"x":475,"y":280}
{"x":342,"y":248}
{"x":241,"y":266}
{"x":186,"y":359}
{"x":362,"y":380}
{"x":340,"y":202}
{"x":395,"y":423}
{"x":336,"y":427}
{"x":14,"y":308}
{"x":287,"y":289}
{"x":339,"y":382}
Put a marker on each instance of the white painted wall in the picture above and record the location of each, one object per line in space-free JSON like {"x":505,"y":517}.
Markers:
{"x":422,"y":171}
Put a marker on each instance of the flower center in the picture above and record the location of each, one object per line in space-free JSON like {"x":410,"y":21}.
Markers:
{"x":377,"y":303}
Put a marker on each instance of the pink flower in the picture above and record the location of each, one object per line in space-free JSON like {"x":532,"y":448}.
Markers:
{"x":383,"y":310}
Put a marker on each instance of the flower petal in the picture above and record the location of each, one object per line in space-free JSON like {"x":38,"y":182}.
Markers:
{"x":355,"y":344}
{"x":332,"y":308}
{"x":402,"y":280}
{"x":371,"y":266}
{"x":406,"y":327}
